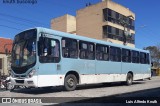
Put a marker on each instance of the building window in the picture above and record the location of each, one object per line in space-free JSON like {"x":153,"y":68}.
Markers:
{"x":105,"y":31}
{"x":109,"y":12}
{"x":115,"y":54}
{"x":69,"y":48}
{"x":116,"y":34}
{"x":109,"y":29}
{"x":117,"y":15}
{"x":117,"y":31}
{"x":86,"y":50}
{"x":102,"y":52}
{"x":113,"y":31}
{"x":105,"y":14}
{"x":113,"y":16}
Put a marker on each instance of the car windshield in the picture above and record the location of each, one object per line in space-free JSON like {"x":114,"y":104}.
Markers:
{"x":24,"y":50}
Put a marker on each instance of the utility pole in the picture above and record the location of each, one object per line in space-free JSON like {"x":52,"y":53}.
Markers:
{"x":125,"y":24}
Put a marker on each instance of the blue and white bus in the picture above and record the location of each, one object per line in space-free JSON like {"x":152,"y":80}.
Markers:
{"x":44,"y":58}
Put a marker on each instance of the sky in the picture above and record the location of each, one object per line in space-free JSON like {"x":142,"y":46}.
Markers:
{"x":15,"y":17}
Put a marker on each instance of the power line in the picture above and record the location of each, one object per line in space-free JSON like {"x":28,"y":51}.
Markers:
{"x":14,"y":22}
{"x":27,"y":20}
{"x":11,"y":27}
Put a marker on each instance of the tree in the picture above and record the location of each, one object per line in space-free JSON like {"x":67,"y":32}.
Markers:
{"x":155,"y":54}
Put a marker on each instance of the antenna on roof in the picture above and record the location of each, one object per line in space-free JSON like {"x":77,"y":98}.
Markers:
{"x":86,"y":4}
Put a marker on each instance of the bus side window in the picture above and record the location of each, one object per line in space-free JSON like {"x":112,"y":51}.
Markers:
{"x":115,"y":54}
{"x":142,"y":58}
{"x":102,"y":52}
{"x":82,"y":50}
{"x":69,"y":48}
{"x":54,"y":48}
{"x":135,"y":57}
{"x":91,"y":53}
{"x":126,"y":55}
{"x":49,"y":51}
{"x":86,"y":50}
{"x":147,"y":59}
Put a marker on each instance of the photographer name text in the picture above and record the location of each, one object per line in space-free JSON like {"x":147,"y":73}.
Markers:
{"x":19,"y":2}
{"x":141,"y":101}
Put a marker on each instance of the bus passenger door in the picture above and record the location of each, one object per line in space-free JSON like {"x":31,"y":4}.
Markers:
{"x":49,"y":61}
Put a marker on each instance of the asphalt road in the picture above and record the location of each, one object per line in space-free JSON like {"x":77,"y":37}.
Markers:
{"x":146,"y":92}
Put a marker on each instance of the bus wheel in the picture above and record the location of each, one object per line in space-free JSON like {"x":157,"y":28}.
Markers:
{"x":70,"y":82}
{"x":129,"y":79}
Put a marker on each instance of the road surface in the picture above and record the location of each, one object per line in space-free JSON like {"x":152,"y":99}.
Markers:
{"x":139,"y":92}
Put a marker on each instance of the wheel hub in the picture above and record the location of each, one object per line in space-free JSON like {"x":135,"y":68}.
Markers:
{"x":70,"y":82}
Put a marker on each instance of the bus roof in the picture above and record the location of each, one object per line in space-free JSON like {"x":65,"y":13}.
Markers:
{"x":64,"y":34}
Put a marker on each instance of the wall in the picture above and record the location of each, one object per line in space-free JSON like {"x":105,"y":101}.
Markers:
{"x":4,"y":64}
{"x":66,"y":23}
{"x":90,"y":20}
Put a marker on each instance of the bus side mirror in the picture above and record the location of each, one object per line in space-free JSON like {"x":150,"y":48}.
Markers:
{"x":151,"y":64}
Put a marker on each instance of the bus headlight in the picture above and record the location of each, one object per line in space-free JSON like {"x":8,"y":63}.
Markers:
{"x":31,"y":73}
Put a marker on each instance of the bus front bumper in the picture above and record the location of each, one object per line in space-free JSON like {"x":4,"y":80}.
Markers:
{"x":29,"y":82}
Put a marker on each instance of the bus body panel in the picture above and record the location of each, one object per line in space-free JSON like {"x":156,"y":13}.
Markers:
{"x":89,"y":71}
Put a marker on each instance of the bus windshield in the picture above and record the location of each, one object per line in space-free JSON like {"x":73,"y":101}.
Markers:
{"x":24,"y":49}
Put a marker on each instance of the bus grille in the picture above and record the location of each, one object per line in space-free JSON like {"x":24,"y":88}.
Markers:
{"x":20,"y":81}
{"x":20,"y":76}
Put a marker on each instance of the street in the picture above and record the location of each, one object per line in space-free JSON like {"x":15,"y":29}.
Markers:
{"x":98,"y":93}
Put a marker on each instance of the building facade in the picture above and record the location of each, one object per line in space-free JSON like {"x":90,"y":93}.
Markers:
{"x":106,"y":20}
{"x":6,"y":44}
{"x":66,"y":23}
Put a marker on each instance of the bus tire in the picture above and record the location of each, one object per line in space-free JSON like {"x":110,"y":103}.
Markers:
{"x":10,"y":86}
{"x":70,"y":82}
{"x":129,"y":79}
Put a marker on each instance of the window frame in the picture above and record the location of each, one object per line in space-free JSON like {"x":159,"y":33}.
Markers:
{"x":48,"y":58}
{"x":126,"y":57}
{"x":136,"y":58}
{"x":113,"y":16}
{"x":147,"y":58}
{"x":86,"y":52}
{"x":116,"y":56}
{"x":100,"y":52}
{"x":142,"y":58}
{"x":69,"y":48}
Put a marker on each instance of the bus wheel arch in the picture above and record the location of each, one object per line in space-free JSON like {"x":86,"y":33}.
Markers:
{"x":71,"y":80}
{"x":129,"y":78}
